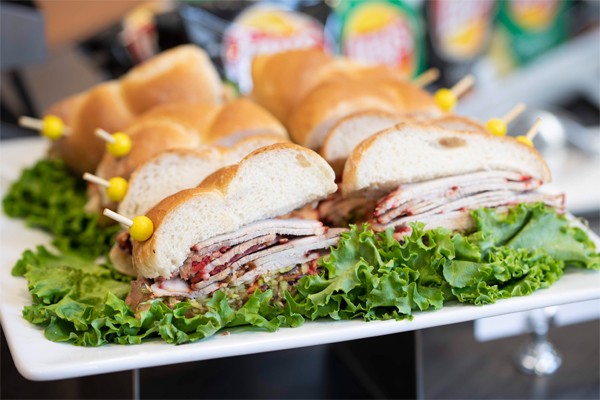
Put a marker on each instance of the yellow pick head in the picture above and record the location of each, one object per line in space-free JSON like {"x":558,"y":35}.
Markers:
{"x":122,"y":145}
{"x":141,"y":229}
{"x":496,"y":126}
{"x":525,"y":140}
{"x":117,"y":189}
{"x":52,"y":127}
{"x":445,"y":99}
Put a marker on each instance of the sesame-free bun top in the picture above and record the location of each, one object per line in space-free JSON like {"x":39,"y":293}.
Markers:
{"x":182,"y":74}
{"x":282,"y":79}
{"x":310,"y":121}
{"x":409,"y":153}
{"x":269,"y":182}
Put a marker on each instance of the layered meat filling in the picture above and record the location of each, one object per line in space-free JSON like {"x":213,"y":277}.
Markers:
{"x":285,"y":247}
{"x":447,"y":202}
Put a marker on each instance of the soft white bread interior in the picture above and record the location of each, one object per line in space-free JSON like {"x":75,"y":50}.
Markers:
{"x":349,"y":131}
{"x":409,"y":153}
{"x":269,"y":182}
{"x":178,"y":169}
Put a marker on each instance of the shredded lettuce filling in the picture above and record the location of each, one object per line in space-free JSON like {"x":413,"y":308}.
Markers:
{"x":368,"y":275}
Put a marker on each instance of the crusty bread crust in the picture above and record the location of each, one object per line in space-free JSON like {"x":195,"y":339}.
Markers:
{"x":102,"y":107}
{"x":230,"y":198}
{"x":459,"y":123}
{"x":241,"y":118}
{"x":411,"y":153}
{"x":184,"y":73}
{"x":180,"y":74}
{"x":185,"y":125}
{"x":331,"y":101}
{"x":282,"y":79}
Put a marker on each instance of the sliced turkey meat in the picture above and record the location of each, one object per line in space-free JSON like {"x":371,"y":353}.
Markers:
{"x":409,"y":195}
{"x":493,"y":199}
{"x":292,"y":226}
{"x":287,"y":253}
{"x":241,"y":258}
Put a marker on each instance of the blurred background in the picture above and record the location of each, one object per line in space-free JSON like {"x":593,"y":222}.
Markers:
{"x":545,"y":53}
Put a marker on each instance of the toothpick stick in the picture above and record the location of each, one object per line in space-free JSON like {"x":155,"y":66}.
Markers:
{"x":50,"y":126}
{"x":514,"y":113}
{"x":427,"y":77}
{"x":31,"y":123}
{"x":117,"y":217}
{"x":534,"y":129}
{"x":96,"y":179}
{"x":463,"y":85}
{"x":102,"y":134}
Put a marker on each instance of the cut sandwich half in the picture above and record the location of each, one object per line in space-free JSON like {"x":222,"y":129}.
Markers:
{"x":169,"y":173}
{"x":437,"y":176}
{"x":233,"y":232}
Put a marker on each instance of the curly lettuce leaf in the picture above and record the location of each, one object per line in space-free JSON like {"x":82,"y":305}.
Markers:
{"x":80,"y":302}
{"x":49,"y":197}
{"x":373,"y":276}
{"x":515,"y":253}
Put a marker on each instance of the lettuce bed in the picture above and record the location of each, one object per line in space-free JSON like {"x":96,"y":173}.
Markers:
{"x":368,"y":275}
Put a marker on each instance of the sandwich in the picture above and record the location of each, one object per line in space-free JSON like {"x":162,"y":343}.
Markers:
{"x":234,"y":232}
{"x":170,"y":172}
{"x":424,"y":173}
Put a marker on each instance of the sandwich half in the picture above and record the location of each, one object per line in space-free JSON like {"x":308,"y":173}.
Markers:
{"x":436,"y":176}
{"x":234,"y":231}
{"x":170,"y":172}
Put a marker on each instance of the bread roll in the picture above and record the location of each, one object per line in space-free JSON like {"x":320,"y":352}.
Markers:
{"x":282,"y":79}
{"x":183,"y":126}
{"x":180,"y":74}
{"x":184,"y":74}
